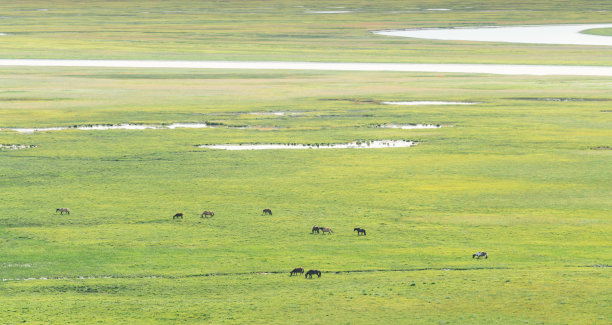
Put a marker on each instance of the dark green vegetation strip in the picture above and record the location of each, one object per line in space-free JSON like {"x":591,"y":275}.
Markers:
{"x":326,"y":272}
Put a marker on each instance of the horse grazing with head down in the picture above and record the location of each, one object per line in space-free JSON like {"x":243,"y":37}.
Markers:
{"x":62,"y":210}
{"x":267,"y":211}
{"x":326,"y":230}
{"x":311,"y":272}
{"x":480,"y":254}
{"x":315,"y":229}
{"x":296,"y":271}
{"x":178,"y":215}
{"x":207,"y":213}
{"x":359,"y":231}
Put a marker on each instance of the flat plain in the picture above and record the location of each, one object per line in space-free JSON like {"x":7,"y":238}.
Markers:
{"x":523,"y":172}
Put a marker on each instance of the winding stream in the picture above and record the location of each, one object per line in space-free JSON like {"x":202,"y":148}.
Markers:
{"x":542,"y":34}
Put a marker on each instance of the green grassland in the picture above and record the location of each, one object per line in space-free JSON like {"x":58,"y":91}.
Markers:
{"x":523,"y":174}
{"x":599,"y":31}
{"x":288,"y":30}
{"x":515,"y":175}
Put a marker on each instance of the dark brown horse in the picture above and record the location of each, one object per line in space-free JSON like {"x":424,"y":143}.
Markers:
{"x":359,"y":231}
{"x":267,"y":211}
{"x":315,"y":229}
{"x":178,"y":215}
{"x":311,"y":272}
{"x":296,"y":271}
{"x":62,"y":210}
{"x":207,"y":213}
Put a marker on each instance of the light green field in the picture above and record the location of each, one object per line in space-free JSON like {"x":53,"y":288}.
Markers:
{"x":289,"y":30}
{"x":523,"y":174}
{"x":599,"y":31}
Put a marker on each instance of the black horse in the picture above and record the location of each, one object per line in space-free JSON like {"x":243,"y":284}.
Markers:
{"x":315,"y":229}
{"x":311,"y":272}
{"x":359,"y":231}
{"x":178,"y":215}
{"x":480,"y":254}
{"x":267,"y":211}
{"x":296,"y":271}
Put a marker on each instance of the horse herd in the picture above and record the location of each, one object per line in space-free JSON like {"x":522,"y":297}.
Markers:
{"x":208,"y":214}
{"x":324,"y":230}
{"x":315,"y":229}
{"x":321,"y":229}
{"x":310,"y":273}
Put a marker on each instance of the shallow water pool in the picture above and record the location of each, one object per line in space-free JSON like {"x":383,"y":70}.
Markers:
{"x":545,"y":34}
{"x":351,"y":145}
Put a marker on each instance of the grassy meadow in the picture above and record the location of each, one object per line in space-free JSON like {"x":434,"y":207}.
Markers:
{"x":522,"y":173}
{"x":289,"y":30}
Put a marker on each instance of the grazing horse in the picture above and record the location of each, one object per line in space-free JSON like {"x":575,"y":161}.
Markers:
{"x":315,"y":228}
{"x":62,"y":210}
{"x":480,"y":254}
{"x":359,"y":231}
{"x":207,"y":213}
{"x":267,"y":211}
{"x":311,"y":272}
{"x":326,"y":230}
{"x":296,"y":271}
{"x":178,"y":215}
